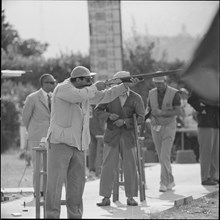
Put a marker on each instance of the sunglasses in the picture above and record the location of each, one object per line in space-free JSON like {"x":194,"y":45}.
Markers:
{"x":52,"y":83}
{"x":88,"y":79}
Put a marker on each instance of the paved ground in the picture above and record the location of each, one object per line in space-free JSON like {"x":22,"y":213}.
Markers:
{"x":187,"y":179}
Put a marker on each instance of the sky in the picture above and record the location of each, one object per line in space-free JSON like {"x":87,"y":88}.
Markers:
{"x":65,"y":25}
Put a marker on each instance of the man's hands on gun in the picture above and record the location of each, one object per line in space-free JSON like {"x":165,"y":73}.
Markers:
{"x":134,"y":81}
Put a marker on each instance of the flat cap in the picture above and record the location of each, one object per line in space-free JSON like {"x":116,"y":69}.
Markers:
{"x":80,"y":71}
{"x":121,"y":74}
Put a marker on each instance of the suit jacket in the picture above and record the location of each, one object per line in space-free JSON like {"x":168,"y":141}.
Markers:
{"x":36,"y":116}
{"x":133,"y":104}
{"x":207,"y":115}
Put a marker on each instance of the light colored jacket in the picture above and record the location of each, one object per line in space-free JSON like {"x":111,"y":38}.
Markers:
{"x":166,"y":105}
{"x":36,"y":116}
{"x":70,"y":112}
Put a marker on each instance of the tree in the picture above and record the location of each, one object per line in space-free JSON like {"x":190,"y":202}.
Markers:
{"x":138,"y":59}
{"x":31,"y":47}
{"x":13,"y":45}
{"x":10,"y":123}
{"x":9,"y":35}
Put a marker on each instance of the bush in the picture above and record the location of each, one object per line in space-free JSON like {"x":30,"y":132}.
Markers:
{"x":12,"y":101}
{"x":9,"y":123}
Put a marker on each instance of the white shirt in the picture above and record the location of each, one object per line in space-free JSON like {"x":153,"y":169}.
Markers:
{"x":45,"y":94}
{"x":124,"y":97}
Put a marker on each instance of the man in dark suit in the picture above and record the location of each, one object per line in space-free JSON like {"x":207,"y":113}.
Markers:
{"x":36,"y":115}
{"x":119,"y":138}
{"x":208,"y":138}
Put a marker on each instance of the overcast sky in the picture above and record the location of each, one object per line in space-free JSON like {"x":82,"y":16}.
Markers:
{"x":64,"y":24}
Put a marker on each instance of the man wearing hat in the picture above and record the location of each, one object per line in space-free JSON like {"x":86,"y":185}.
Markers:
{"x":164,"y":105}
{"x":119,"y":139}
{"x":68,"y":137}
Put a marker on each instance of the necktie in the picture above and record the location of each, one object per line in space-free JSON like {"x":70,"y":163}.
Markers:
{"x":49,"y":101}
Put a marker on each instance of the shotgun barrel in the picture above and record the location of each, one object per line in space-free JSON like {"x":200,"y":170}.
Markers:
{"x":142,"y":76}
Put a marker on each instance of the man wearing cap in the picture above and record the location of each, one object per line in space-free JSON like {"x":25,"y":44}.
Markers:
{"x":119,"y":139}
{"x":163,"y":104}
{"x":69,"y":136}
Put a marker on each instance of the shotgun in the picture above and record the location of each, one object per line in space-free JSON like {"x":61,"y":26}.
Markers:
{"x":142,"y":76}
{"x":140,"y":164}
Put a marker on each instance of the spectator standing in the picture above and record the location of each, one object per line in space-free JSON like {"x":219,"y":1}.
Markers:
{"x":208,"y":138}
{"x":189,"y":118}
{"x":163,"y":105}
{"x":36,"y":116}
{"x":69,"y":137}
{"x":119,"y":139}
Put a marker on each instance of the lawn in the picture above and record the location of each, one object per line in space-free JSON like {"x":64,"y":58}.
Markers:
{"x":12,"y":169}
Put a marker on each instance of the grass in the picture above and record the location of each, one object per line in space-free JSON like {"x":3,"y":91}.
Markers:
{"x":12,"y":170}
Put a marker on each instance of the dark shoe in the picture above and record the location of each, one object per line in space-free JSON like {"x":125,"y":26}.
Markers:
{"x":209,"y":182}
{"x":216,"y":180}
{"x":131,"y":202}
{"x":105,"y":202}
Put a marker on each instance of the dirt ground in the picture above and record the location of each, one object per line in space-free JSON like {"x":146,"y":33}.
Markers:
{"x":206,"y":207}
{"x":14,"y":173}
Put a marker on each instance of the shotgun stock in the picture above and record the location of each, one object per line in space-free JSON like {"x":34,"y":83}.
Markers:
{"x":142,"y":76}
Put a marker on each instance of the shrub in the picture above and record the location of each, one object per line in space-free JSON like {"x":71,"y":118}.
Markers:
{"x":9,"y":123}
{"x":13,"y":96}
